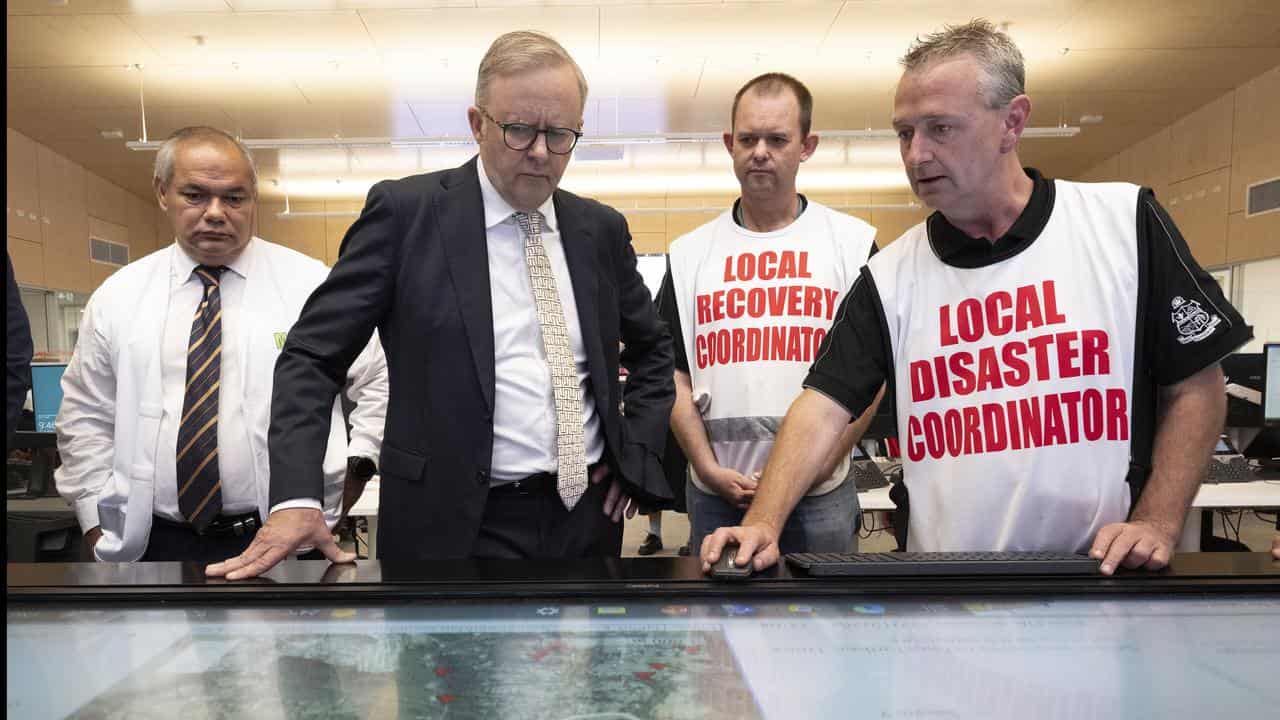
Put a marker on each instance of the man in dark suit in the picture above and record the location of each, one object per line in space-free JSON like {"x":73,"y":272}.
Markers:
{"x":501,"y":302}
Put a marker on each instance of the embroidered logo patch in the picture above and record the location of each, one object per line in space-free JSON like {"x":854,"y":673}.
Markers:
{"x":1193,"y":322}
{"x":280,"y":339}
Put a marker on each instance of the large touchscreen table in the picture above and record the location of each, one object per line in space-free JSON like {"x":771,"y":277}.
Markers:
{"x":1192,"y":656}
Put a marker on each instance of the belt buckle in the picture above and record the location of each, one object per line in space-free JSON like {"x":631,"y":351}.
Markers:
{"x":517,"y":485}
{"x":237,"y":528}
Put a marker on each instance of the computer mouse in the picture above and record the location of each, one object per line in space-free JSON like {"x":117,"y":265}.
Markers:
{"x":726,"y":569}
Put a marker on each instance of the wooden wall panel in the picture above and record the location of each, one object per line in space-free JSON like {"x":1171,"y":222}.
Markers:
{"x":892,"y":222}
{"x":305,"y":234}
{"x":1199,"y":207}
{"x":1106,"y":171}
{"x":141,"y":224}
{"x":164,"y":228}
{"x":681,"y":223}
{"x":646,"y":222}
{"x":104,"y":230}
{"x":1146,"y":163}
{"x":1256,"y":142}
{"x":28,"y":261}
{"x":1252,"y":238}
{"x":64,"y":223}
{"x":649,"y":242}
{"x":99,"y":272}
{"x":22,"y":202}
{"x":336,"y":226}
{"x":105,"y":200}
{"x":1200,"y":142}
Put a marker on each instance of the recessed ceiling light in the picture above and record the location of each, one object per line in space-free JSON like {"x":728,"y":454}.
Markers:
{"x":112,"y":134}
{"x":1090,"y":119}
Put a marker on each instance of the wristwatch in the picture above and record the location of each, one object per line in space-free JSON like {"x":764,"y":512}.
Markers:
{"x":361,"y":467}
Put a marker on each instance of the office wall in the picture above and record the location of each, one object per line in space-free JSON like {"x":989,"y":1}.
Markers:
{"x":653,"y":230}
{"x":654,"y":220}
{"x":1201,"y":165}
{"x":1260,"y":301}
{"x":53,"y":205}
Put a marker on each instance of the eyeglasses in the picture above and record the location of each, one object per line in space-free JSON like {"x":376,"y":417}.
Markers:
{"x":519,"y":136}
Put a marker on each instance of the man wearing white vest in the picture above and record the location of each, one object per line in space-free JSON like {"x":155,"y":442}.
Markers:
{"x":166,"y":401}
{"x":749,"y":297}
{"x":1027,"y":330}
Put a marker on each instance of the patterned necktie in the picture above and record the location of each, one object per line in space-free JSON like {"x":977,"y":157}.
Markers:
{"x":199,"y":488}
{"x":570,"y":446}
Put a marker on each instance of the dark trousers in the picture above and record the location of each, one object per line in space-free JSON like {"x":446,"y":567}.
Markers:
{"x":172,"y":543}
{"x":532,"y":523}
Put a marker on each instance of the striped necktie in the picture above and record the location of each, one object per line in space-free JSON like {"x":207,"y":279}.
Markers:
{"x":199,"y":487}
{"x":571,"y":480}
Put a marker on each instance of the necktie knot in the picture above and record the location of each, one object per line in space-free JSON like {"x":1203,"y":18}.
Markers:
{"x":531,"y":223}
{"x":210,"y":274}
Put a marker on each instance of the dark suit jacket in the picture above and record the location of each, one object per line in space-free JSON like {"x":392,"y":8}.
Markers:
{"x":415,"y":266}
{"x":18,"y":351}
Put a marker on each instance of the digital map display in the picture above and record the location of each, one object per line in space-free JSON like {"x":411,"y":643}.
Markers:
{"x":936,"y":657}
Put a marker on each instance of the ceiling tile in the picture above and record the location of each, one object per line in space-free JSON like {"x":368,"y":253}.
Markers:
{"x":66,"y":40}
{"x":279,"y":41}
{"x":119,"y":7}
{"x":1157,"y":24}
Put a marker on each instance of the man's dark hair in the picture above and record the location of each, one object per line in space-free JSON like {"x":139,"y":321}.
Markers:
{"x":772,"y":84}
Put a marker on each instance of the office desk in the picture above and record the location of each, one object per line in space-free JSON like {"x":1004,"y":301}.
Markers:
{"x":1256,"y":495}
{"x":639,"y":638}
{"x":367,"y":507}
{"x":1259,"y":494}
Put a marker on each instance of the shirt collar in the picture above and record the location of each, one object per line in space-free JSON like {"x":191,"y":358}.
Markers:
{"x":497,"y":210}
{"x":183,"y":265}
{"x":954,"y":247}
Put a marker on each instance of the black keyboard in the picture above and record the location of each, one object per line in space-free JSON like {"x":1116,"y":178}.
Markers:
{"x":944,"y":563}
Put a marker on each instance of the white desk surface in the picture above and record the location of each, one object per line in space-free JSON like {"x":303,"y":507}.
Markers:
{"x":1256,"y":494}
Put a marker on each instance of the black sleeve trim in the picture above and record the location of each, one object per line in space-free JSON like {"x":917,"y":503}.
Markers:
{"x":853,"y":346}
{"x":669,"y":311}
{"x":1171,"y":364}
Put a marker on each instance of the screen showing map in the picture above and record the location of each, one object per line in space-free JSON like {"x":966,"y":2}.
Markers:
{"x":1192,"y":657}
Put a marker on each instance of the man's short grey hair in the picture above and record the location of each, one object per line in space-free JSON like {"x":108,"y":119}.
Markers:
{"x":522,"y":51}
{"x":1000,"y":59}
{"x":198,"y":133}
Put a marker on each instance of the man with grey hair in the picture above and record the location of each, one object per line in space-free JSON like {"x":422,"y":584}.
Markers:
{"x":502,"y":302}
{"x":1027,"y":331}
{"x":163,"y":424}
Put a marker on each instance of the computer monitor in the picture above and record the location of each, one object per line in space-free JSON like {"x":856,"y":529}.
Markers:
{"x":1271,"y":385}
{"x":46,"y":393}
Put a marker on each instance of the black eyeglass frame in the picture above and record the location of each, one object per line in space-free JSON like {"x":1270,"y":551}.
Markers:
{"x":506,"y":138}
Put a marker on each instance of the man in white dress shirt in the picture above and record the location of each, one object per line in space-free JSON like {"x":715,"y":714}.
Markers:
{"x":163,"y":423}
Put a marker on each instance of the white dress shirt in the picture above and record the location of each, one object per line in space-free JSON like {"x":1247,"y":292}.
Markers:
{"x":235,"y":459}
{"x":524,"y":417}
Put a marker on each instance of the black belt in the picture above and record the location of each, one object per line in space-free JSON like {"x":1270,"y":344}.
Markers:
{"x":222,"y":525}
{"x":541,"y":482}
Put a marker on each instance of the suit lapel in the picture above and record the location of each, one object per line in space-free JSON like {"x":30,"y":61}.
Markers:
{"x":579,"y":253}
{"x":459,"y":213}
